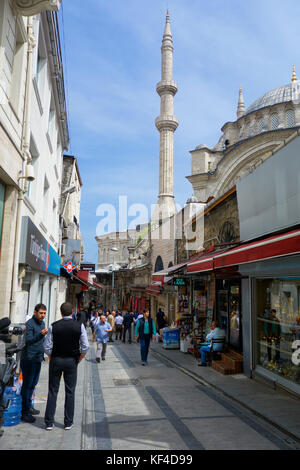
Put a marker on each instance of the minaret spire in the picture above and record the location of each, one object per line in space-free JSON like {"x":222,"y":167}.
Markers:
{"x":166,"y":124}
{"x":241,"y":104}
{"x":294,"y":77}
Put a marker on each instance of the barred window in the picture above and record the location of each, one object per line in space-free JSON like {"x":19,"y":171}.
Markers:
{"x":290,"y":118}
{"x":260,"y":125}
{"x":274,"y":121}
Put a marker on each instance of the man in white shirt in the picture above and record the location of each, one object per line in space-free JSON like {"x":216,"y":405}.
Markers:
{"x":215,"y":333}
{"x":118,"y":324}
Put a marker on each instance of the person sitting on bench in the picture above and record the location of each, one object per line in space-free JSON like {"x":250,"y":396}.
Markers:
{"x":215,"y":333}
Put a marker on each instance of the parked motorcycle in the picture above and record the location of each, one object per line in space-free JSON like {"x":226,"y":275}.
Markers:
{"x":8,"y":360}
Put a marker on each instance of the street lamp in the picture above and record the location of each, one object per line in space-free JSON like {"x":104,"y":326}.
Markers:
{"x":114,"y":249}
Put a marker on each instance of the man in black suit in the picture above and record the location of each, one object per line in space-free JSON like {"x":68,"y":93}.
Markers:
{"x":66,"y":344}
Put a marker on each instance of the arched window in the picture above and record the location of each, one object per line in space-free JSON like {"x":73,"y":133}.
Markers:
{"x":290,"y":118}
{"x":274,"y":121}
{"x":159,"y":265}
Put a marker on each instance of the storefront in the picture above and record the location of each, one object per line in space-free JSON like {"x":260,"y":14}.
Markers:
{"x":270,"y":270}
{"x":171,"y":292}
{"x":139,"y":300}
{"x":200,"y":269}
{"x":228,"y":310}
{"x":184,"y":314}
{"x":39,"y":270}
{"x":217,"y":294}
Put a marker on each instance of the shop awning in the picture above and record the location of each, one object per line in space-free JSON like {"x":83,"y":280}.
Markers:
{"x":153,"y":290}
{"x":80,"y":280}
{"x":284,"y":244}
{"x":164,"y":276}
{"x":138,"y":288}
{"x":84,"y":278}
{"x":202,"y":264}
{"x":98,"y":285}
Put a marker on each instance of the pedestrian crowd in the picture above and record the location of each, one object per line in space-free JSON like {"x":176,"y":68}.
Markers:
{"x":66,"y":343}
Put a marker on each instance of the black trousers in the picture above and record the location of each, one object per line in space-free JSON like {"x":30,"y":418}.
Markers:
{"x":68,"y":367}
{"x":127,"y":328}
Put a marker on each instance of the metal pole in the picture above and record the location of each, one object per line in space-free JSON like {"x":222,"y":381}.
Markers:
{"x":112,"y":290}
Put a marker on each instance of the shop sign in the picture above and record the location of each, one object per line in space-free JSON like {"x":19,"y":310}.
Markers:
{"x":69,"y":267}
{"x":179,"y":281}
{"x":36,"y":251}
{"x":87,"y":267}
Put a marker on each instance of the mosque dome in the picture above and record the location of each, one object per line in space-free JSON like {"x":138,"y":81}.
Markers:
{"x":283,"y":94}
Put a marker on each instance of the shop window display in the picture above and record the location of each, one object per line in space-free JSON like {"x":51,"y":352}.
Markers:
{"x":200,"y":308}
{"x":184,"y":317}
{"x":278,"y":326}
{"x":229,"y":312}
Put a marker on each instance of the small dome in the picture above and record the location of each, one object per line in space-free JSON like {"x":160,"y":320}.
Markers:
{"x":283,"y":94}
{"x":201,"y":146}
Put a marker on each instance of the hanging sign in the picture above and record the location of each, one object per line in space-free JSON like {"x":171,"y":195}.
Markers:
{"x":69,"y":267}
{"x":179,"y":281}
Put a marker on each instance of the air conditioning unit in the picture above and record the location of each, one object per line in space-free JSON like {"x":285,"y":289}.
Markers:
{"x":63,"y":249}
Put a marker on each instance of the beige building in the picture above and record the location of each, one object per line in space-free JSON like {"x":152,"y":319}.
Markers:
{"x":33,"y":132}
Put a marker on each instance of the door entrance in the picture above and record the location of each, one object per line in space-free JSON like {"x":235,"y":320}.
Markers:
{"x":229,"y":311}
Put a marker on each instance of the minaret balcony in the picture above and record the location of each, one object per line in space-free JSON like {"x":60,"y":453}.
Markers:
{"x":165,"y":86}
{"x":34,"y":7}
{"x":166,"y":122}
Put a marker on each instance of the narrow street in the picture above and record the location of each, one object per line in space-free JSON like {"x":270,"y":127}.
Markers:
{"x":157,"y":407}
{"x":124,"y":406}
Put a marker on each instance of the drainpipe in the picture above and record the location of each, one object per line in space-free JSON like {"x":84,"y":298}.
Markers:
{"x":27,"y":159}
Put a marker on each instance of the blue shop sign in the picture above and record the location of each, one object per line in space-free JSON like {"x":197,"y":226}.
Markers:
{"x":36,"y":251}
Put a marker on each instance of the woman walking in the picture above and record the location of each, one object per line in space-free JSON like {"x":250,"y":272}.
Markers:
{"x":144,"y":331}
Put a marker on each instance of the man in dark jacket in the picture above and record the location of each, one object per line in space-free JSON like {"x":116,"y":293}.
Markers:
{"x":82,"y":317}
{"x":127,"y":321}
{"x":66,"y":345}
{"x":161,"y":319}
{"x":31,"y":359}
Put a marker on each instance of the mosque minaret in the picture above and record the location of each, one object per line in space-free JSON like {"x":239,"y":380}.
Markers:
{"x":166,"y":124}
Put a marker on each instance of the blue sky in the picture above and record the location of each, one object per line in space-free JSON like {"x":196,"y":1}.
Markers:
{"x":112,"y":64}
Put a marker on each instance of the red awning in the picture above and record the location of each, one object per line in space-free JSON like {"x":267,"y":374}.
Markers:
{"x":285,"y":244}
{"x":153,"y":290}
{"x":98,"y":285}
{"x":273,"y":247}
{"x":83,"y":276}
{"x":204,"y":263}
